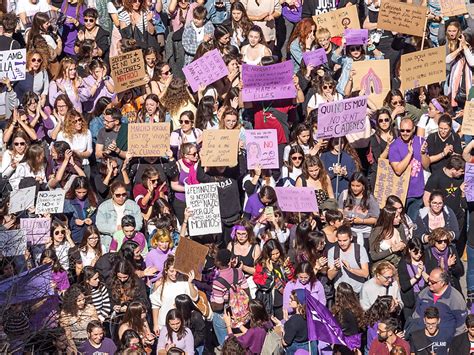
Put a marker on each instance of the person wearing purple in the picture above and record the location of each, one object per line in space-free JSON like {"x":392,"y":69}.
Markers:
{"x":175,"y":332}
{"x":98,"y":84}
{"x":96,"y":343}
{"x":161,"y":246}
{"x":258,"y":201}
{"x":73,"y":10}
{"x":409,"y":151}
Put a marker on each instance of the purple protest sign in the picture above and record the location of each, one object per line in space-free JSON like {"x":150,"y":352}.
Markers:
{"x":356,"y":37}
{"x":338,"y":118}
{"x":262,"y":148}
{"x":205,"y":70}
{"x":315,"y":58}
{"x":37,"y":230}
{"x":297,"y":199}
{"x":469,"y":182}
{"x":268,"y":82}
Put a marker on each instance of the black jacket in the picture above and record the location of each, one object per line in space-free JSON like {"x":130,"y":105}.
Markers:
{"x":455,"y":272}
{"x":460,"y":345}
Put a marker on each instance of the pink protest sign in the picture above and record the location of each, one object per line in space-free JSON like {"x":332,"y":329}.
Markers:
{"x":469,"y":181}
{"x":37,"y":230}
{"x":336,"y":119}
{"x":205,"y":70}
{"x":296,"y":199}
{"x":268,"y":82}
{"x":262,"y":148}
{"x":356,"y":37}
{"x":315,"y":58}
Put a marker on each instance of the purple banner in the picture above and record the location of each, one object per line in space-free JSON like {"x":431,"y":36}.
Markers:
{"x":262,"y":148}
{"x":469,"y":182}
{"x":297,"y":199}
{"x":338,"y":118}
{"x":356,"y":37}
{"x":315,"y":58}
{"x":205,"y":70}
{"x":269,"y":82}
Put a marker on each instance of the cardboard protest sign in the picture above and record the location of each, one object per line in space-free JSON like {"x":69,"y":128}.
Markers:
{"x":149,"y":139}
{"x":50,"y":201}
{"x":402,"y":18}
{"x":469,"y":182}
{"x":21,"y":200}
{"x":372,"y":77}
{"x":13,"y":64}
{"x":128,"y":70}
{"x":356,"y":37}
{"x":453,"y":7}
{"x":220,"y":147}
{"x":37,"y":230}
{"x":190,"y":255}
{"x":297,"y":199}
{"x":262,"y":148}
{"x":315,"y":58}
{"x":268,"y":82}
{"x":203,"y":200}
{"x":205,"y":70}
{"x":12,"y":242}
{"x":339,"y":118}
{"x":468,"y":119}
{"x":388,"y":183}
{"x":423,"y":67}
{"x":338,"y":20}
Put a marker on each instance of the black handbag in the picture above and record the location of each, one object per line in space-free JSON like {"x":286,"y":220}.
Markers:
{"x":143,"y":40}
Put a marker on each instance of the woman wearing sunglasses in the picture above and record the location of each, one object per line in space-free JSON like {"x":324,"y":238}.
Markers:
{"x":395,"y":103}
{"x":91,"y":30}
{"x":325,"y":91}
{"x":301,"y":136}
{"x":186,"y":134}
{"x":13,"y":156}
{"x":61,"y":242}
{"x":292,"y":168}
{"x":37,"y":79}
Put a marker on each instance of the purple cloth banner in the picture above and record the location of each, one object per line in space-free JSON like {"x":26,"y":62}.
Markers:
{"x":339,"y":118}
{"x":269,"y":82}
{"x":356,"y":37}
{"x":315,"y":58}
{"x":323,"y":326}
{"x":469,"y":181}
{"x":205,"y":70}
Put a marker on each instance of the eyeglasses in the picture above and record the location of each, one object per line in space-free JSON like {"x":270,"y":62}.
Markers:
{"x":192,"y":154}
{"x":61,"y":106}
{"x":431,"y":282}
{"x":121,"y":195}
{"x":384,"y":120}
{"x":184,"y":122}
{"x":62,"y":231}
{"x":437,"y":203}
{"x":168,"y":72}
{"x":296,"y":158}
{"x":355,"y":49}
{"x":442,"y":241}
{"x":91,"y":20}
{"x":19,"y":143}
{"x":387,"y":278}
{"x":326,"y":87}
{"x":405,"y":131}
{"x":395,"y":103}
{"x":36,"y":60}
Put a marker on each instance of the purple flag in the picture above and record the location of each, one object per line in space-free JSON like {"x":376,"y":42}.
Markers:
{"x":322,"y":325}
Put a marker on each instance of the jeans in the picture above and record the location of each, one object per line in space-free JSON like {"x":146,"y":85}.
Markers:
{"x":470,"y":268}
{"x":219,"y":328}
{"x":199,"y":350}
{"x":413,"y":206}
{"x":294,"y":347}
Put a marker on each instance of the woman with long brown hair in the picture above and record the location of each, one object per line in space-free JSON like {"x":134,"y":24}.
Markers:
{"x":176,"y":100}
{"x":36,"y":77}
{"x":315,"y":176}
{"x":14,"y":155}
{"x":135,"y":319}
{"x":32,"y":166}
{"x":67,"y":82}
{"x":90,"y":247}
{"x":240,"y":23}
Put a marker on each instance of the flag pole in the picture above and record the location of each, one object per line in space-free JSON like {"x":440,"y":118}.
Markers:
{"x":424,"y":32}
{"x":338,"y":164}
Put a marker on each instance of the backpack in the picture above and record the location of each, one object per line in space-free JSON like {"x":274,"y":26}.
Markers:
{"x":238,"y":300}
{"x":272,"y":344}
{"x":337,"y":251}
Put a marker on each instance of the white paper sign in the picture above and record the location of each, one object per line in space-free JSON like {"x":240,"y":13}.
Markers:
{"x":13,"y":64}
{"x":50,"y":201}
{"x":37,"y":230}
{"x":12,"y":242}
{"x":22,"y":199}
{"x":203,"y":200}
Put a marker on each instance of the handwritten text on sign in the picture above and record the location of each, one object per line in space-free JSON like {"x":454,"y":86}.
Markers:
{"x":338,"y":20}
{"x":469,"y":181}
{"x":336,"y":119}
{"x":37,"y":230}
{"x":205,"y":70}
{"x":468,"y":119}
{"x":453,"y":7}
{"x":50,"y":202}
{"x":268,"y":82}
{"x":262,"y":148}
{"x":149,"y":139}
{"x":402,"y":18}
{"x":388,"y":183}
{"x":22,"y":199}
{"x":296,"y":199}
{"x":220,"y":147}
{"x":12,"y":242}
{"x":315,"y":58}
{"x":203,"y":200}
{"x":13,"y":64}
{"x":128,"y":70}
{"x":423,"y":68}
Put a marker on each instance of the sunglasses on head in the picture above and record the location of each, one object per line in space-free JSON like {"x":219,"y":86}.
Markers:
{"x":382,"y":120}
{"x":19,"y":143}
{"x":184,"y":121}
{"x":36,"y":60}
{"x":121,"y":195}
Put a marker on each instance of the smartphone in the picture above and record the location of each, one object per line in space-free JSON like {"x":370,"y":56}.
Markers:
{"x":269,"y":212}
{"x":228,"y":311}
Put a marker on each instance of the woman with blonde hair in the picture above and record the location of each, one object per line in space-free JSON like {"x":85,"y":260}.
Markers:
{"x":33,"y":165}
{"x":161,"y":247}
{"x":176,"y":100}
{"x":66,"y":82}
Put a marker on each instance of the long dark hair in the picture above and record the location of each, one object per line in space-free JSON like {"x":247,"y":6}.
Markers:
{"x":51,"y":254}
{"x":295,"y":149}
{"x":70,"y":300}
{"x":82,"y":182}
{"x":123,"y":292}
{"x":185,"y":306}
{"x":205,"y":112}
{"x":245,"y":24}
{"x":347,"y":300}
{"x":391,"y":200}
{"x":306,"y":268}
{"x":172,"y":315}
{"x":351,"y":199}
{"x":380,"y":309}
{"x":309,"y":252}
{"x":91,"y":230}
{"x":266,"y":254}
{"x":385,"y":222}
{"x":258,"y":314}
{"x":133,"y":316}
{"x":88,"y":273}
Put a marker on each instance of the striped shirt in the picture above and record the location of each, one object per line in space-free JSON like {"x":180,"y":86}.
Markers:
{"x":220,"y":293}
{"x":100,"y":299}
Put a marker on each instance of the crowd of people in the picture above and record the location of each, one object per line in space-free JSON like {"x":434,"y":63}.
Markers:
{"x":390,"y":272}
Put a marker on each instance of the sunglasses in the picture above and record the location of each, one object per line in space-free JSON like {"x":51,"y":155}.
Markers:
{"x":442,"y":241}
{"x":296,"y":158}
{"x":384,"y":120}
{"x":326,"y":87}
{"x":91,"y":20}
{"x":153,"y":181}
{"x":405,"y":131}
{"x":192,"y":154}
{"x":394,"y":103}
{"x":121,"y":195}
{"x":36,"y":60}
{"x":168,"y":72}
{"x":184,"y":122}
{"x":63,"y":232}
{"x":19,"y":143}
{"x":78,"y":121}
{"x":355,"y":48}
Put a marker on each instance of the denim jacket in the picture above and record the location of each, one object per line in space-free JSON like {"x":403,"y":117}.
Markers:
{"x":106,"y":220}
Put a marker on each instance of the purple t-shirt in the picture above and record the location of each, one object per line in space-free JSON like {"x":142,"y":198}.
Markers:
{"x":107,"y":347}
{"x":69,"y":34}
{"x":254,"y":206}
{"x":399,"y":150}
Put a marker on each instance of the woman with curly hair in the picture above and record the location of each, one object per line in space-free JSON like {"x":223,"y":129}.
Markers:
{"x":66,"y":82}
{"x":36,"y":78}
{"x":75,"y":314}
{"x":176,"y":100}
{"x":315,"y":175}
{"x":301,"y":40}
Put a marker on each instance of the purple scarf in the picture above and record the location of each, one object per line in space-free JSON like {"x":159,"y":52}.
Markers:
{"x":441,"y":255}
{"x":420,"y":284}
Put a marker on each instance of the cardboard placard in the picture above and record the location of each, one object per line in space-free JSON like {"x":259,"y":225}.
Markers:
{"x":50,"y":201}
{"x":13,"y":64}
{"x":268,"y":82}
{"x":203,"y":200}
{"x":262,"y":148}
{"x":128,"y":70}
{"x":21,"y":200}
{"x":388,"y":183}
{"x":468,"y":119}
{"x":37,"y":230}
{"x":339,"y":20}
{"x":373,"y":77}
{"x":469,"y":182}
{"x":402,"y":18}
{"x":149,"y":139}
{"x":315,"y":58}
{"x":339,"y":118}
{"x":190,"y":255}
{"x":453,"y":7}
{"x":220,"y":147}
{"x":12,"y":242}
{"x":205,"y":70}
{"x":423,"y":68}
{"x":297,"y":199}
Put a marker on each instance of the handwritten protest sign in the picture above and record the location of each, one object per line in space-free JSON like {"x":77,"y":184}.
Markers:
{"x":453,"y":7}
{"x":373,"y":78}
{"x":149,"y":139}
{"x":339,"y":20}
{"x":469,"y":181}
{"x":423,"y":67}
{"x":296,"y":199}
{"x":339,"y":118}
{"x":203,"y":200}
{"x":315,"y":58}
{"x":388,"y":183}
{"x":50,"y":201}
{"x":12,"y":242}
{"x":205,"y":70}
{"x":220,"y":147}
{"x":262,"y":148}
{"x":13,"y":64}
{"x":190,"y":255}
{"x":468,"y":119}
{"x":268,"y":82}
{"x":402,"y":18}
{"x":128,"y":70}
{"x":37,"y":230}
{"x":21,"y":200}
{"x":356,"y":36}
